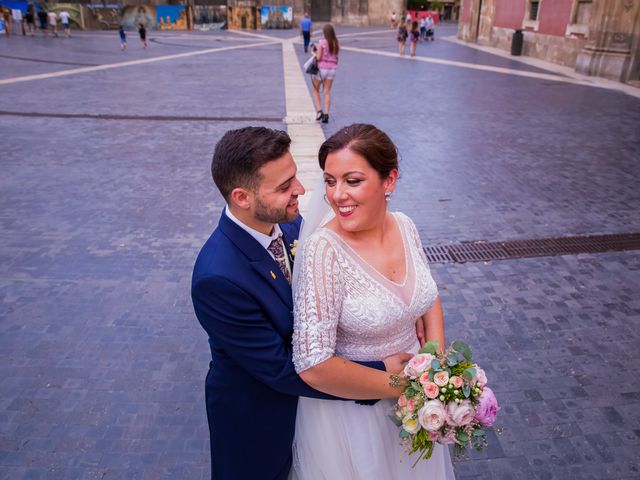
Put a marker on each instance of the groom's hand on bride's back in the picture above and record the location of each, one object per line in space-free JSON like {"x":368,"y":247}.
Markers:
{"x":395,"y":363}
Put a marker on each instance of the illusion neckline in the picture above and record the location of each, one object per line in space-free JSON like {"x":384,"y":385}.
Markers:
{"x":384,"y":277}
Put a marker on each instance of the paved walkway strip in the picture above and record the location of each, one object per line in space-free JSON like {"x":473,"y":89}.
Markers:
{"x":305,"y":132}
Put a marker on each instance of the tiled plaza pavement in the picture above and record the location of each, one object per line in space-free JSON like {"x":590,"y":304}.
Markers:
{"x":102,"y":361}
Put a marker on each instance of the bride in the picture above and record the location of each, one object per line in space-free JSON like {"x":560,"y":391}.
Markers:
{"x":361,"y":282}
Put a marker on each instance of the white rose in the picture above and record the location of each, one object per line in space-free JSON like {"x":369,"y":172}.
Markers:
{"x":460,"y":414}
{"x":410,"y":424}
{"x":432,"y":415}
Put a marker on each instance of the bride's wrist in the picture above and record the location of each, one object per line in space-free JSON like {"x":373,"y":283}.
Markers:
{"x":397,"y":381}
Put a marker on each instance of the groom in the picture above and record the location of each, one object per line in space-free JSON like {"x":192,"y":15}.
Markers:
{"x":241,"y":294}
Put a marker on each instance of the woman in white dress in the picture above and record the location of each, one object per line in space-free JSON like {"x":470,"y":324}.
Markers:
{"x":362,"y":281}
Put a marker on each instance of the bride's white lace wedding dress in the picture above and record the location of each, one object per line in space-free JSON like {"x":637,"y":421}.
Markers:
{"x":344,"y":307}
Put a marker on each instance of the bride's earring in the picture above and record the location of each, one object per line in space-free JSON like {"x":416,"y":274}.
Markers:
{"x":387,"y":196}
{"x":326,"y":200}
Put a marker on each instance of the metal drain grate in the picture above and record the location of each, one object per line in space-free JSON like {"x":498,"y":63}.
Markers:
{"x":543,"y":247}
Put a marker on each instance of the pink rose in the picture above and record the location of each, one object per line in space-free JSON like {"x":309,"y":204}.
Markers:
{"x":487,"y":408}
{"x":418,"y":364}
{"x":411,"y":405}
{"x":460,"y":414}
{"x":441,"y":379}
{"x":456,"y":381}
{"x":431,"y":390}
{"x":402,"y":401}
{"x":432,"y":415}
{"x":424,"y":378}
{"x":480,"y":377}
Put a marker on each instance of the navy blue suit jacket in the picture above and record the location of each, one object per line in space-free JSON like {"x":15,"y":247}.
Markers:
{"x":252,"y":388}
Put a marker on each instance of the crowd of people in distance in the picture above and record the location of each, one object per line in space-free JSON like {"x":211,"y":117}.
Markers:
{"x":47,"y":21}
{"x":413,"y":30}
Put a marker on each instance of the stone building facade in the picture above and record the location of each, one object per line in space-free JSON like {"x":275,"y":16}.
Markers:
{"x":596,"y":37}
{"x":344,"y":12}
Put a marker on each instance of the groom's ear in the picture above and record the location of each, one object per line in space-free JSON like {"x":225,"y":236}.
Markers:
{"x":241,"y":198}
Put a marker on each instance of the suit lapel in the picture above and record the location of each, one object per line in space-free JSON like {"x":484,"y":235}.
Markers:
{"x":260,"y":260}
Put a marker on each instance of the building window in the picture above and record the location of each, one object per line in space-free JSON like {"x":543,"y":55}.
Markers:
{"x":582,"y":12}
{"x":532,"y":15}
{"x":580,"y":15}
{"x":533,"y":10}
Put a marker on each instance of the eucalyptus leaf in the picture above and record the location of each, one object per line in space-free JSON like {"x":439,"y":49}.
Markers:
{"x":469,"y":373}
{"x":404,"y":433}
{"x":463,"y":348}
{"x":430,"y":347}
{"x":466,"y":390}
{"x":396,"y":420}
{"x":435,"y":364}
{"x":452,"y":360}
{"x":478,"y":432}
{"x":462,"y":437}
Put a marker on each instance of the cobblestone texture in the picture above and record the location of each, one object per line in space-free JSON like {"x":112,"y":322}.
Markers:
{"x":102,"y":361}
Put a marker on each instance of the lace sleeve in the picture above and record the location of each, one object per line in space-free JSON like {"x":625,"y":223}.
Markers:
{"x":317,"y":302}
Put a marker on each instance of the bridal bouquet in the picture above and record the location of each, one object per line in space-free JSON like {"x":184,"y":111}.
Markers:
{"x":446,"y":400}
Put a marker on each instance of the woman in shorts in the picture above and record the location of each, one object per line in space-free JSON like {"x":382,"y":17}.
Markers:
{"x":402,"y":38}
{"x":327,"y":56}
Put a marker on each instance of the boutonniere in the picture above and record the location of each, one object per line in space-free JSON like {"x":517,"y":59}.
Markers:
{"x":293,"y":247}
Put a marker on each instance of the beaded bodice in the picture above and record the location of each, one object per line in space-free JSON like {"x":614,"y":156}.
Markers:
{"x":344,"y":307}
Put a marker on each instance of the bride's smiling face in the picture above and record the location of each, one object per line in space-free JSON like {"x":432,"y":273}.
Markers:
{"x":355,"y":190}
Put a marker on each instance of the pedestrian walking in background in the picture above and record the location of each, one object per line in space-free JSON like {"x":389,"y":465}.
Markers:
{"x":327,"y":57}
{"x":305,"y":28}
{"x":42,"y":19}
{"x":53,"y":22}
{"x":143,"y":35}
{"x":414,"y":36}
{"x":394,"y":20}
{"x":430,"y":28}
{"x":7,"y":17}
{"x":123,"y":38}
{"x":402,"y":38}
{"x":64,"y":18}
{"x":423,"y":28}
{"x":30,"y":19}
{"x":407,"y":19}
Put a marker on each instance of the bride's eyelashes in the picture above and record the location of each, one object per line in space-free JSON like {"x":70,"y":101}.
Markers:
{"x":350,"y":181}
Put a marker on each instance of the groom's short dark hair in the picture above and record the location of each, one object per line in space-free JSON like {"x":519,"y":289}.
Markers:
{"x":241,"y":153}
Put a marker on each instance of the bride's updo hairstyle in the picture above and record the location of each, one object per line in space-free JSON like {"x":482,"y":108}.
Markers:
{"x":365,"y":140}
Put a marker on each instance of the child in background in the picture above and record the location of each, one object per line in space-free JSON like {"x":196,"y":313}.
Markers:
{"x":123,"y":38}
{"x":143,"y":35}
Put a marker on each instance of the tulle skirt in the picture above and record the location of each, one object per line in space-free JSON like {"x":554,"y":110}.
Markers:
{"x":341,"y":440}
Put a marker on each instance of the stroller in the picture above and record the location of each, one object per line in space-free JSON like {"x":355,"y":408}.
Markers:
{"x":430,"y":35}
